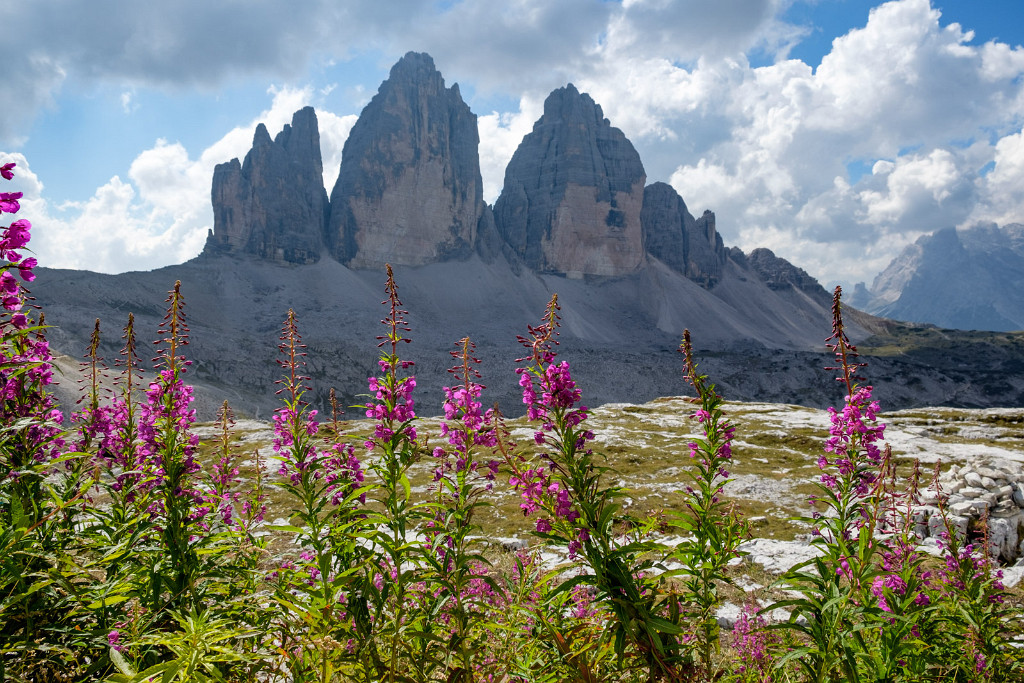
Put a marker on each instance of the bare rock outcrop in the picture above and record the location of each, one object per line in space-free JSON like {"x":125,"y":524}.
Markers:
{"x":691,"y":246}
{"x":409,"y":191}
{"x":273,"y":205}
{"x":973,"y":495}
{"x":779,"y":274}
{"x":573,"y":193}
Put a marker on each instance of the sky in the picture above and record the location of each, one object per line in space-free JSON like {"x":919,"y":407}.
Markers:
{"x":834,"y":132}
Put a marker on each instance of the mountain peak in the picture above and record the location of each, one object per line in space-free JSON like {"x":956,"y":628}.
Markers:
{"x":261,"y":136}
{"x":409,"y":191}
{"x":573,"y":192}
{"x":961,"y":278}
{"x":569,"y":104}
{"x":417,"y":67}
{"x":273,"y":205}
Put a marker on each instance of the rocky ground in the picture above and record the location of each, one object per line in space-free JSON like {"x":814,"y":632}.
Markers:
{"x":773,"y":470}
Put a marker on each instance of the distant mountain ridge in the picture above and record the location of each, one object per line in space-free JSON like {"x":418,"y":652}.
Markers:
{"x":968,"y":279}
{"x":409,"y":192}
{"x":631,"y":265}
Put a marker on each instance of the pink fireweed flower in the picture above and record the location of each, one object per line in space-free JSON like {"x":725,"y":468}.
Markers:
{"x":25,"y":359}
{"x":9,"y":202}
{"x":753,"y":643}
{"x":890,"y":582}
{"x":582,"y":605}
{"x":855,"y":441}
{"x":855,"y":435}
{"x":531,"y":485}
{"x":15,"y":237}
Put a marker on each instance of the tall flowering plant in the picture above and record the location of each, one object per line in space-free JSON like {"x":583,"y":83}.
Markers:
{"x":462,"y":476}
{"x":93,"y":420}
{"x":168,"y":448}
{"x":119,"y":453}
{"x":711,"y":528}
{"x":576,"y":511}
{"x":388,"y":617}
{"x":30,"y":433}
{"x":126,"y":475}
{"x":33,"y":528}
{"x":324,"y":482}
{"x":837,"y":602}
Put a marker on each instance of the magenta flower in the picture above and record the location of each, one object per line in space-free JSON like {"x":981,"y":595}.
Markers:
{"x":753,"y":643}
{"x":9,"y":202}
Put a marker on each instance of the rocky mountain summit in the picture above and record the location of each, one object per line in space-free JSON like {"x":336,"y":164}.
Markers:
{"x":573,"y":193}
{"x":273,"y":205}
{"x":686,"y":244}
{"x":780,"y":275}
{"x":966,"y":279}
{"x":631,"y":265}
{"x":409,"y":191}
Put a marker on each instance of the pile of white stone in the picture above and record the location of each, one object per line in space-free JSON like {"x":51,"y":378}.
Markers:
{"x":972,"y":492}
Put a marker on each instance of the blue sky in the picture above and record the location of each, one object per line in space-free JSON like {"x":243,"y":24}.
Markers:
{"x":833,"y":131}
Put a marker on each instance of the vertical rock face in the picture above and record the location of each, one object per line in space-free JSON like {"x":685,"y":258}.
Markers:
{"x":671,"y":234}
{"x":573,"y":192}
{"x":409,"y":191}
{"x":274,"y":204}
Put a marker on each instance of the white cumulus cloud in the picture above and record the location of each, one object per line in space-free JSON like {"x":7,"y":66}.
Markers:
{"x":160,"y":213}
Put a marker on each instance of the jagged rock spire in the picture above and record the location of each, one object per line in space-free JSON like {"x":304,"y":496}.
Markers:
{"x":274,"y":204}
{"x":409,"y":191}
{"x":573,"y":192}
{"x":689,"y":245}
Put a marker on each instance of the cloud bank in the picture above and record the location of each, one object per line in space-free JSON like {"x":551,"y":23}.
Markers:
{"x":906,"y":126}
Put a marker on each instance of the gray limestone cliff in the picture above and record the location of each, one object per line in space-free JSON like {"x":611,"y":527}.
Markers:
{"x":779,"y":274}
{"x":273,"y":205}
{"x":967,"y":279}
{"x":573,"y":193}
{"x":691,"y":246}
{"x":409,"y":191}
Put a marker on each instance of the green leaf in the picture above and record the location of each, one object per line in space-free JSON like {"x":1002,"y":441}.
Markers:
{"x":18,"y":518}
{"x":664,"y":625}
{"x":121,"y":663}
{"x":406,"y":486}
{"x":104,"y":602}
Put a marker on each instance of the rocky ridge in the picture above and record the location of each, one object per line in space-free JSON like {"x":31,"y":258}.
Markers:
{"x":409,"y":192}
{"x":779,"y":274}
{"x":690,"y":246}
{"x":964,"y":279}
